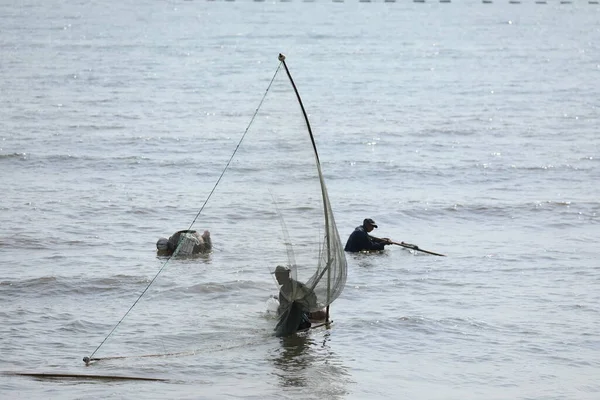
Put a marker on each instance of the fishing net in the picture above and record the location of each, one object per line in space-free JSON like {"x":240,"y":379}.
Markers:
{"x":275,"y":180}
{"x":273,"y":206}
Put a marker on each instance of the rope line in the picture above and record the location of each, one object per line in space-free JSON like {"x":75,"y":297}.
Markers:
{"x":88,"y":359}
{"x":243,"y":342}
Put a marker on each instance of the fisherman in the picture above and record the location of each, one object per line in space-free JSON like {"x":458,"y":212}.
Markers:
{"x":296,"y":299}
{"x":360,"y":240}
{"x":189,"y":242}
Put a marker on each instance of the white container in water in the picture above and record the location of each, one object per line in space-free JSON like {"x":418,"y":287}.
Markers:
{"x":272,"y":305}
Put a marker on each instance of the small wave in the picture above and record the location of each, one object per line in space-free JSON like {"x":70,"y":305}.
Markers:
{"x":222,"y":287}
{"x":14,"y":156}
{"x":429,"y":326}
{"x":59,"y":286}
{"x":506,"y":209}
{"x":436,"y":133}
{"x":22,"y":241}
{"x":73,"y":325}
{"x":30,"y":283}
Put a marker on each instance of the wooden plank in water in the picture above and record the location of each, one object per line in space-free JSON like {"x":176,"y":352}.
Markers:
{"x":55,"y":375}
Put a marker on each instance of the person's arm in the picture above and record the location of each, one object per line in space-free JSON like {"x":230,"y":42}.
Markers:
{"x":378,"y":244}
{"x":284,"y":302}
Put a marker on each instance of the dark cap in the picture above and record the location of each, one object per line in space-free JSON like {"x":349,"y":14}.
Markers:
{"x":280,"y":269}
{"x":370,"y":222}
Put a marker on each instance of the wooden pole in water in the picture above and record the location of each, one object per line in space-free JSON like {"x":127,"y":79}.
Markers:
{"x":409,"y":246}
{"x":323,"y":190}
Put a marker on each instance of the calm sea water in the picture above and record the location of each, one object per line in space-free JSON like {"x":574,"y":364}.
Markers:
{"x":469,"y":129}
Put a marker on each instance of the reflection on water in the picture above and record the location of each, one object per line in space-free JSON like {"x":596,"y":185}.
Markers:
{"x":294,"y":360}
{"x":306,"y":365}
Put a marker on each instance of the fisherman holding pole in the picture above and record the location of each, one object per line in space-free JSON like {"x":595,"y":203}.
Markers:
{"x":360,"y":240}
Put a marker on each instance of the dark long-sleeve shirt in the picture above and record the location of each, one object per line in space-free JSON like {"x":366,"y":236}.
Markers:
{"x":360,"y":240}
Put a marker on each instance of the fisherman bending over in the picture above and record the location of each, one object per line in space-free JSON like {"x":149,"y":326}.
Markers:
{"x":189,"y":242}
{"x":360,"y":240}
{"x":295,"y":302}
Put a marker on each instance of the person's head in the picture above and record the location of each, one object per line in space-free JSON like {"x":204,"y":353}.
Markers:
{"x":162,"y":244}
{"x":369,"y":224}
{"x":282,"y":274}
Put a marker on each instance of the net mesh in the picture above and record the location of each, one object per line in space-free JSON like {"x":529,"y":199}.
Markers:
{"x":275,"y":180}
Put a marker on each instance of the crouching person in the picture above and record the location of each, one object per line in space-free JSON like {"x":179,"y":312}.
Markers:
{"x":184,"y":243}
{"x":296,"y":300}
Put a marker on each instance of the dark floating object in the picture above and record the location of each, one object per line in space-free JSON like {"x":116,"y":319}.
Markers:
{"x":54,"y":375}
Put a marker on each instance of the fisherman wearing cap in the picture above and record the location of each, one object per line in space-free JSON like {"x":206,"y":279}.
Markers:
{"x":292,"y":290}
{"x":294,"y":297}
{"x":360,"y":240}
